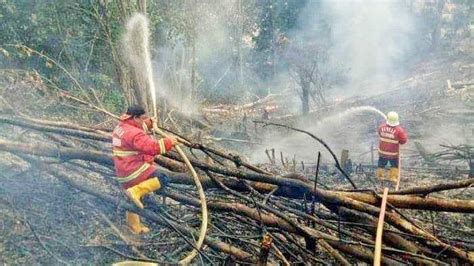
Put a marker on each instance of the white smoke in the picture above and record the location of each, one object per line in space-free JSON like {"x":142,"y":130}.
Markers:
{"x":206,"y":26}
{"x":371,"y":38}
{"x":353,"y":129}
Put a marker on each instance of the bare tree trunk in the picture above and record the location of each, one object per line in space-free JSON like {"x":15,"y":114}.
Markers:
{"x":305,"y":97}
{"x":241,"y":33}
{"x":193,"y":70}
{"x":120,"y":69}
{"x":436,"y":33}
{"x":141,"y":6}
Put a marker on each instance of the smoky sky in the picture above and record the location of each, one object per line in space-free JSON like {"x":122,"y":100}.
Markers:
{"x":371,"y":39}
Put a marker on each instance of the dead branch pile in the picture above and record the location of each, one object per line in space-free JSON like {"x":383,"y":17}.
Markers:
{"x":256,"y":215}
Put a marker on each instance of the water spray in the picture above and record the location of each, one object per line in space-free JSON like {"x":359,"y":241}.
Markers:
{"x":352,"y":111}
{"x":140,"y":23}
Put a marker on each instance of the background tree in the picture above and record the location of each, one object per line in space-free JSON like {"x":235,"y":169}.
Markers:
{"x":310,"y":69}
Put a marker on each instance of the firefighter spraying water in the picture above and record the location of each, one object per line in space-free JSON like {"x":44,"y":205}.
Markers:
{"x":391,"y":136}
{"x":133,"y":153}
{"x":137,"y":173}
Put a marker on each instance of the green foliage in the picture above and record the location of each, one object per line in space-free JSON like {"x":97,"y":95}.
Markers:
{"x":66,"y":31}
{"x":114,"y":101}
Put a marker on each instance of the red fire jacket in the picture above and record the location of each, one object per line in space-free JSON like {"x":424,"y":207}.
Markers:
{"x":133,"y":152}
{"x":390,"y":140}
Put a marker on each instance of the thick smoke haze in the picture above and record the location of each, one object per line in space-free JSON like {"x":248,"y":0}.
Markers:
{"x":371,"y":39}
{"x":210,"y":27}
{"x":370,"y":42}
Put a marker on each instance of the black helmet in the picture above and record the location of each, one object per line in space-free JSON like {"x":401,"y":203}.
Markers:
{"x":135,"y":111}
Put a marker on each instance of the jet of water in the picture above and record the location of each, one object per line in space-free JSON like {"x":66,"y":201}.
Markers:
{"x":352,"y":111}
{"x":138,"y":52}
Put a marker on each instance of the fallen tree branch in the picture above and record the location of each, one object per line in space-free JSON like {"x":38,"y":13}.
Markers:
{"x":435,"y":188}
{"x":213,"y":243}
{"x":68,"y":130}
{"x":399,"y":201}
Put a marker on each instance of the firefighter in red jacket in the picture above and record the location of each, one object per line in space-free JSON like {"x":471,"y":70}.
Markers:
{"x":133,"y":153}
{"x":391,"y":136}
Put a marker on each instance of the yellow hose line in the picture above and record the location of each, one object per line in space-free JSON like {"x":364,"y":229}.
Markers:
{"x":202,"y":198}
{"x":378,"y":238}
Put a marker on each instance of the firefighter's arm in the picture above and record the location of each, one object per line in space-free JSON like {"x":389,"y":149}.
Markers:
{"x":150,"y":146}
{"x":166,"y":144}
{"x":402,"y":136}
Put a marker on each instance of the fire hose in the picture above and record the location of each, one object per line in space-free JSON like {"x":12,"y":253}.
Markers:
{"x":378,"y":237}
{"x":202,"y":198}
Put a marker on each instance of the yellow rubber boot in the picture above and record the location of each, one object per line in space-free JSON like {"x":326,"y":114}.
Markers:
{"x":393,"y":175}
{"x":136,"y":193}
{"x":380,"y":173}
{"x":133,"y":222}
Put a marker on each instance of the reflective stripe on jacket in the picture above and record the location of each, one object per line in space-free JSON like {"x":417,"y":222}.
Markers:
{"x":390,"y":140}
{"x":133,"y":152}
